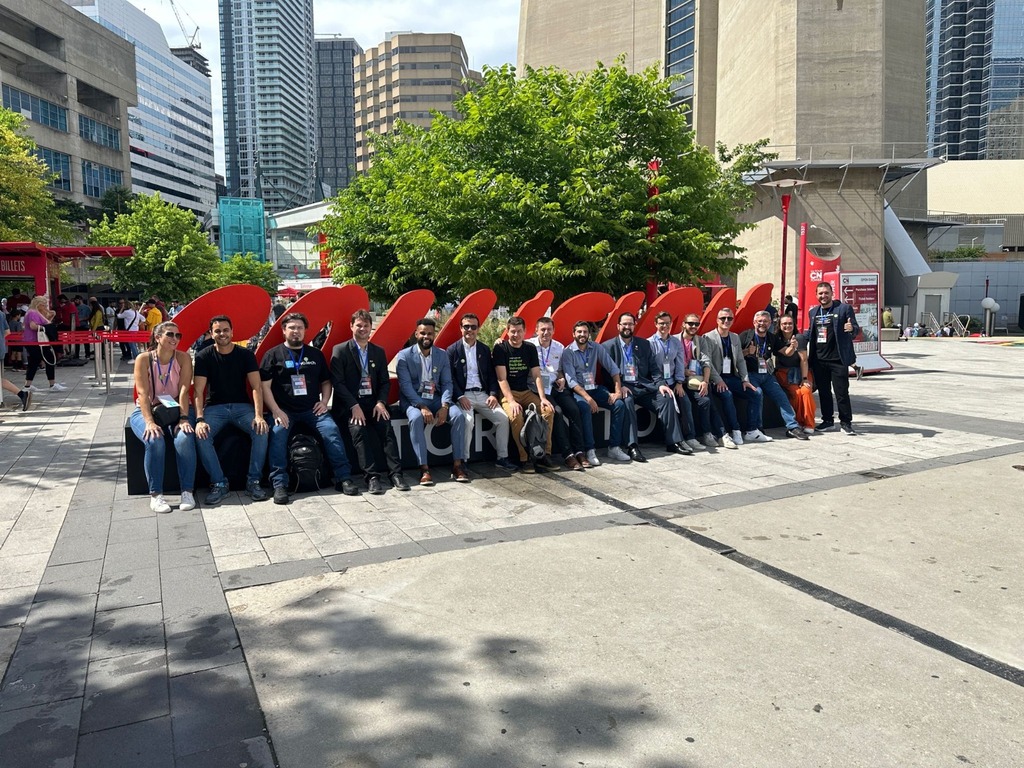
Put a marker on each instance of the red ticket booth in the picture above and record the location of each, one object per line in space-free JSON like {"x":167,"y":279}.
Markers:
{"x":41,"y":264}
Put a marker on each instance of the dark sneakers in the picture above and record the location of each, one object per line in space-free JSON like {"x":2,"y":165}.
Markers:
{"x":847,"y":427}
{"x":281,"y":495}
{"x":797,"y":433}
{"x":507,"y":464}
{"x":255,"y":492}
{"x":26,"y":399}
{"x":216,"y":495}
{"x":826,"y":426}
{"x":399,"y":482}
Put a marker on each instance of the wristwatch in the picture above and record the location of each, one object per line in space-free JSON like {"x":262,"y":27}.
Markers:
{"x":200,"y":420}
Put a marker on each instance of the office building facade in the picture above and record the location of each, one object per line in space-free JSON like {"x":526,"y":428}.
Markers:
{"x":170,"y":130}
{"x":407,"y":77}
{"x":336,"y":121}
{"x":267,"y":63}
{"x":73,"y":81}
{"x":975,"y":66}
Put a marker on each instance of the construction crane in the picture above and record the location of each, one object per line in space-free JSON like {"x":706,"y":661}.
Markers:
{"x":191,"y":41}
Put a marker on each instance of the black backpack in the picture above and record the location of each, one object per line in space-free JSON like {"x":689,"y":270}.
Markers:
{"x":534,"y":434}
{"x":305,"y":463}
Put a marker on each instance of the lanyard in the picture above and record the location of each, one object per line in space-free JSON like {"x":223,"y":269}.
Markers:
{"x":544,"y":358}
{"x":627,"y":353}
{"x":586,"y":359}
{"x":762,"y":348}
{"x":296,"y":361}
{"x":159,"y":371}
{"x":364,"y":355}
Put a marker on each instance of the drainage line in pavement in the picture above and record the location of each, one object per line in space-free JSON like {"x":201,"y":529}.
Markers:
{"x":930,"y":639}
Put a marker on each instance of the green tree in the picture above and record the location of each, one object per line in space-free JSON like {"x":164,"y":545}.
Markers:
{"x":544,"y":182}
{"x":247,"y":268}
{"x":173,"y":256}
{"x":116,"y":200}
{"x":27,"y":210}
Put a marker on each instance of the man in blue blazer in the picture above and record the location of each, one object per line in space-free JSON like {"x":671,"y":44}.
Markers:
{"x":831,"y":329}
{"x":643,"y":383}
{"x":425,"y":384}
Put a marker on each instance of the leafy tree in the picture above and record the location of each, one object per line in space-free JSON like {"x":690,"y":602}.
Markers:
{"x":173,"y":256}
{"x":960,"y":253}
{"x":115,"y":200}
{"x":73,"y":213}
{"x":543,"y":183}
{"x":247,"y":268}
{"x":27,"y":211}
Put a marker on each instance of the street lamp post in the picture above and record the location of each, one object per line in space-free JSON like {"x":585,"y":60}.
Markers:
{"x":989,"y":305}
{"x":788,"y":185}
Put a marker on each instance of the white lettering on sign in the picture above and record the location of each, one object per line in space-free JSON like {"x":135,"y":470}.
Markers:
{"x":816,"y":275}
{"x":12,"y":265}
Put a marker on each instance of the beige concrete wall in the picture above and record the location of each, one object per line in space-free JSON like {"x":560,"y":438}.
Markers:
{"x":977,"y":186}
{"x":575,"y":35}
{"x":86,"y":54}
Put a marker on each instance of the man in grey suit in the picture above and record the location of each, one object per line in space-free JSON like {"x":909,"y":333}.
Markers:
{"x":643,"y":383}
{"x":425,"y":384}
{"x":729,"y":380}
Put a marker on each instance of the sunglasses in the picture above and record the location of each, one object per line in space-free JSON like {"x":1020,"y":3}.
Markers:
{"x":172,"y":334}
{"x":470,"y":327}
{"x":692,"y":324}
{"x":725,"y":319}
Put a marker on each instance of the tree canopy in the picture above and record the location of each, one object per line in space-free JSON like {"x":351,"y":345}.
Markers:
{"x":27,"y":211}
{"x":545,"y":182}
{"x":173,"y":256}
{"x":248,"y":269}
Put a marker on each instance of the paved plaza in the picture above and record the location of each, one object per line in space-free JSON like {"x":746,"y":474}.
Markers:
{"x":848,"y":600}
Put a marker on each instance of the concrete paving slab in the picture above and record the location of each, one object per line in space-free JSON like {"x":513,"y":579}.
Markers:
{"x":125,"y":689}
{"x":43,"y":735}
{"x":649,"y":653}
{"x":225,"y":690}
{"x":147,"y":743}
{"x":938,"y":548}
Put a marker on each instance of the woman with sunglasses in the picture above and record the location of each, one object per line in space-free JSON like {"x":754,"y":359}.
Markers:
{"x":163,"y":376}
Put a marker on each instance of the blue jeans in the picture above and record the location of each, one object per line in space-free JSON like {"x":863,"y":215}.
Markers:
{"x":219,"y":416}
{"x":618,"y":410}
{"x":328,"y":430}
{"x":184,"y":447}
{"x":767,"y":383}
{"x":418,"y":430}
{"x":751,"y":396}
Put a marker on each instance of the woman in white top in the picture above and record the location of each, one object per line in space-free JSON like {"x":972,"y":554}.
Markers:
{"x":163,"y":376}
{"x":130,"y":317}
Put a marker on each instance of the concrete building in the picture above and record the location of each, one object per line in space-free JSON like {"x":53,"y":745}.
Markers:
{"x":171,"y":128}
{"x":407,"y":77}
{"x":336,"y":112}
{"x":975,"y":60}
{"x":269,"y":103}
{"x":73,"y":81}
{"x":837,"y":89}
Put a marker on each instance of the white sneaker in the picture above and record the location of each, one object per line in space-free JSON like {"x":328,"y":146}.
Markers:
{"x":58,"y":387}
{"x":32,"y":388}
{"x":188,"y":501}
{"x":617,"y":454}
{"x":158,"y":504}
{"x":756,"y":436}
{"x":725,"y":441}
{"x":592,"y":458}
{"x":737,"y":437}
{"x":808,"y":430}
{"x":695,"y":445}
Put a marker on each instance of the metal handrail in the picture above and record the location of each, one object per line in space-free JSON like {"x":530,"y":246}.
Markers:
{"x":958,"y":326}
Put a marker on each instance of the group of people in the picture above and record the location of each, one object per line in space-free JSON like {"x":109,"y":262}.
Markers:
{"x":691,"y":383}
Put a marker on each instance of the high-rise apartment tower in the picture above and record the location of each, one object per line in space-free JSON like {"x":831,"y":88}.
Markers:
{"x":336,"y":122}
{"x":269,"y":74}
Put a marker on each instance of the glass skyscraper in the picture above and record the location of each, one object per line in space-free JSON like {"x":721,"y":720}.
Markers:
{"x":170,"y":131}
{"x":975,"y":70}
{"x":680,"y":46}
{"x":267,"y":62}
{"x":336,"y":112}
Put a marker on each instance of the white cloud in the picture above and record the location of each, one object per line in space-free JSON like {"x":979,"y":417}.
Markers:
{"x":489,"y":29}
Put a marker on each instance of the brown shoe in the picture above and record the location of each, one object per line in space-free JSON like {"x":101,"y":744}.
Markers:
{"x":425,"y":478}
{"x":572,"y":463}
{"x":581,"y":459}
{"x":459,"y":474}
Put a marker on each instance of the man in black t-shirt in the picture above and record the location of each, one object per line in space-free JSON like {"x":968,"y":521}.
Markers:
{"x":832,"y":326}
{"x":228,"y":371}
{"x":297,"y":388}
{"x":759,"y":348}
{"x":516,"y":366}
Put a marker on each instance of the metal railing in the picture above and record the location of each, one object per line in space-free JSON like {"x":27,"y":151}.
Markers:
{"x":886,"y":151}
{"x":930,"y":323}
{"x":959,"y":328}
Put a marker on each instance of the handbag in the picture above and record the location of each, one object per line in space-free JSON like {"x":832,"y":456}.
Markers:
{"x":163,"y":415}
{"x":43,"y":333}
{"x":694,"y":382}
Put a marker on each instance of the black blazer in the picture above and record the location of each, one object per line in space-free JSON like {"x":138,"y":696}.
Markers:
{"x":346,"y":371}
{"x":457,"y":359}
{"x":649,"y":377}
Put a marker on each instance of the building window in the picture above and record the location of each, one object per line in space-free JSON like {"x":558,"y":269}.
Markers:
{"x":97,"y":179}
{"x":59,"y":164}
{"x":36,"y":109}
{"x":98,"y":133}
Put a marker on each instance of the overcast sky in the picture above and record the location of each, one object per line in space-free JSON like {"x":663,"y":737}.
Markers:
{"x":489,"y":29}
